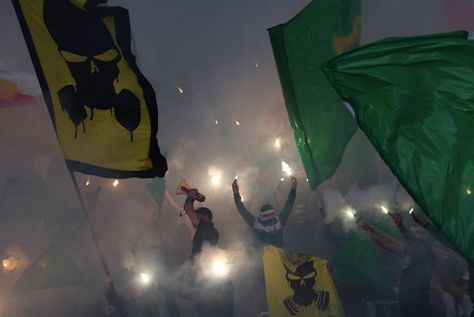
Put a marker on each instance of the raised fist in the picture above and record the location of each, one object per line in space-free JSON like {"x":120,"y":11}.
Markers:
{"x":294,"y":182}
{"x":235,"y":186}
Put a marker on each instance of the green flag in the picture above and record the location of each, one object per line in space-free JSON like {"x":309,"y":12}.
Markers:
{"x":414,"y":99}
{"x":157,"y":189}
{"x":321,"y":124}
{"x":356,"y":266}
{"x":53,"y":269}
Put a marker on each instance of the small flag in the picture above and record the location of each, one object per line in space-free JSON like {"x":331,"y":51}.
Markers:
{"x":299,"y":285}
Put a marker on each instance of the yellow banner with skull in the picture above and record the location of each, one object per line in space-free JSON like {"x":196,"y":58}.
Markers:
{"x":299,"y":285}
{"x":103,"y":109}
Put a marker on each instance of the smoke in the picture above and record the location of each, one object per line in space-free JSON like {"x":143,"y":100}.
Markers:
{"x":178,"y":44}
{"x":347,"y":207}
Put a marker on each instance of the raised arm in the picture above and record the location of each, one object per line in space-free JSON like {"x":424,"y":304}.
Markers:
{"x":390,"y":244}
{"x":423,"y":221}
{"x":246,"y":215}
{"x":290,"y":201}
{"x":398,"y":220}
{"x":189,"y":206}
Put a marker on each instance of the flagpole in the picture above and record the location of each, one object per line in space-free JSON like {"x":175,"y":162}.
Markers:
{"x":94,"y":239}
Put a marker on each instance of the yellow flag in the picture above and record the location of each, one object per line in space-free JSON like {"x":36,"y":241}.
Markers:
{"x":299,"y":285}
{"x":103,"y":109}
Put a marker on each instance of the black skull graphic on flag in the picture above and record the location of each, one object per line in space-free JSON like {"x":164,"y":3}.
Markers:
{"x":299,"y":285}
{"x":103,"y":109}
{"x":92,"y":56}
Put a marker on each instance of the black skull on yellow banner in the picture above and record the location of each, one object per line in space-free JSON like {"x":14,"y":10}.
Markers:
{"x":299,"y":285}
{"x":304,"y":297}
{"x":92,"y":61}
{"x":81,"y":50}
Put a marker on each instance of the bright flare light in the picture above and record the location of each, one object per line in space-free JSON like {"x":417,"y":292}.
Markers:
{"x":116,"y":182}
{"x":88,"y":182}
{"x":411,"y":210}
{"x":237,"y":123}
{"x":215,"y":174}
{"x":282,"y":179}
{"x":278,"y":143}
{"x":145,"y":278}
{"x":384,"y":209}
{"x":468,"y":191}
{"x":217,"y":122}
{"x":286,"y":168}
{"x":349,"y":212}
{"x":180,"y":90}
{"x":215,"y":180}
{"x":9,"y":264}
{"x":220,"y":267}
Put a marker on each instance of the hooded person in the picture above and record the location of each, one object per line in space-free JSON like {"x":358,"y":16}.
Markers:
{"x":266,"y":226}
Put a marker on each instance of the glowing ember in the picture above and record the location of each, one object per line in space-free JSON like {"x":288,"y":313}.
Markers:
{"x":286,"y":168}
{"x":116,"y":182}
{"x":237,"y":123}
{"x":180,"y":90}
{"x":7,"y":264}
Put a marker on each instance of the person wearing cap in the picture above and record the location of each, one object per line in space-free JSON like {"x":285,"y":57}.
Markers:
{"x":267,"y":226}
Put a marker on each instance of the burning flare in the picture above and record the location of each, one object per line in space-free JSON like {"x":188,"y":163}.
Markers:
{"x":384,"y":209}
{"x":349,"y":212}
{"x":278,"y":143}
{"x":216,"y":175}
{"x":220,"y":267}
{"x":286,"y":168}
{"x":145,"y":278}
{"x":9,"y":264}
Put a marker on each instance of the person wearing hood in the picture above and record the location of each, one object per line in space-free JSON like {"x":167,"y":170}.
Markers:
{"x":267,"y":226}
